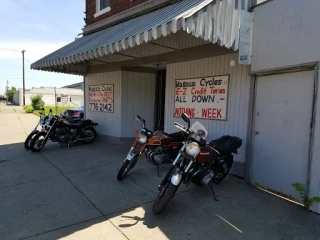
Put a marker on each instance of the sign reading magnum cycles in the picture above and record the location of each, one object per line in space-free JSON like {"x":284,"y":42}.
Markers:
{"x":202,"y":97}
{"x":101,"y":98}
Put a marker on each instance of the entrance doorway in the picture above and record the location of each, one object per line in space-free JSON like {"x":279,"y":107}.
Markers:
{"x":281,"y":139}
{"x":160,"y":100}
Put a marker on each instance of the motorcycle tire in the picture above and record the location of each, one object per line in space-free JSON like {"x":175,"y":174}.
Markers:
{"x":34,"y":142}
{"x":28,"y":140}
{"x":124,"y":170}
{"x":164,"y":197}
{"x":94,"y":132}
{"x":229,"y":163}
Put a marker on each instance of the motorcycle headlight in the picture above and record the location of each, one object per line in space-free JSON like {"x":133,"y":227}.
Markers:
{"x":142,"y":138}
{"x":193,"y":149}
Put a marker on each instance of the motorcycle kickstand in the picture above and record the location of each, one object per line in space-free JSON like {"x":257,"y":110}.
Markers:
{"x":158,"y":170}
{"x":214,"y":195}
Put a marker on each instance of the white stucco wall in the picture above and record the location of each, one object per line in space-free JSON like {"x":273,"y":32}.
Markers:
{"x":285,"y":33}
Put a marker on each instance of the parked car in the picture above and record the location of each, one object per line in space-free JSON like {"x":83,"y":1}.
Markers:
{"x":74,"y":113}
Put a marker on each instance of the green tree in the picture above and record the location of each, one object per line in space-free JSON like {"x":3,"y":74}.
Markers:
{"x":36,"y":102}
{"x":10,"y":93}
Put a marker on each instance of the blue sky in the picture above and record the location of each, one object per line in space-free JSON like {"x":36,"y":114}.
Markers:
{"x":39,"y":27}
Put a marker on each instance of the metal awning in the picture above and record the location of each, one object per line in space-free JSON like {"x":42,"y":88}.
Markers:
{"x":211,"y":20}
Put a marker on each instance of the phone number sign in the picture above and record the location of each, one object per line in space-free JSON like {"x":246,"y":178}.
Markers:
{"x":202,"y":97}
{"x":101,"y":98}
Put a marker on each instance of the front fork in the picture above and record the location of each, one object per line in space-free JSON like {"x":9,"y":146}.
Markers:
{"x":175,"y":173}
{"x":133,"y":155}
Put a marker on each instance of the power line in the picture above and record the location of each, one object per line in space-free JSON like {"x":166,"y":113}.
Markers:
{"x":10,"y":49}
{"x":33,"y":80}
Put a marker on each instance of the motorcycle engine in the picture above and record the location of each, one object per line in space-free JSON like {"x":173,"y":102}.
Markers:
{"x":63,"y":134}
{"x":157,"y":156}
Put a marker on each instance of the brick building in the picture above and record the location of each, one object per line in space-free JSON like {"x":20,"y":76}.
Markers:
{"x":159,"y":58}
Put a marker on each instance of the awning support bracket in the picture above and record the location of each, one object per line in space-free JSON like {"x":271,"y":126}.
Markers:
{"x":100,"y":61}
{"x":157,"y":44}
{"x":125,"y":55}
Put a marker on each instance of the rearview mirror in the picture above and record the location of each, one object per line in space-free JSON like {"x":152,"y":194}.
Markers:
{"x":185,"y":117}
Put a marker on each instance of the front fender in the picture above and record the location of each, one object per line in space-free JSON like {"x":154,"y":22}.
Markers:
{"x":132,"y":154}
{"x":35,"y":131}
{"x":176,"y":178}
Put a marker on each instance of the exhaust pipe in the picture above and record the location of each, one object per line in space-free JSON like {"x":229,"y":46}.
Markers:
{"x":81,"y":139}
{"x":207,"y":178}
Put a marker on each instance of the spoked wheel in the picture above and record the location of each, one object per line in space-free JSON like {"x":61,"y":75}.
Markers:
{"x":126,"y":166}
{"x":227,"y":167}
{"x":28,"y":140}
{"x":164,"y":197}
{"x":91,"y":133}
{"x":38,"y":142}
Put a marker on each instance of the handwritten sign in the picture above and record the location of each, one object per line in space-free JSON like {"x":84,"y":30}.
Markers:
{"x":64,"y":98}
{"x":202,"y":97}
{"x":101,"y":98}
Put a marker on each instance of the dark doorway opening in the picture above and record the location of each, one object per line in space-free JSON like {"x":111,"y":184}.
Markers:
{"x":160,"y":100}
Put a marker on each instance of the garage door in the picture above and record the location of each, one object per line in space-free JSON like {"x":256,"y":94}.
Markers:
{"x":282,"y":117}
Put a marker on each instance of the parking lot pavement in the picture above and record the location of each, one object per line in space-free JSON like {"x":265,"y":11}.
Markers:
{"x":63,"y":193}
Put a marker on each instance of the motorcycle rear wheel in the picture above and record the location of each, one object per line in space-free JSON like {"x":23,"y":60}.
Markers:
{"x":35,"y":146}
{"x":28,"y":140}
{"x":164,"y":197}
{"x":227,"y":166}
{"x":92,"y":133}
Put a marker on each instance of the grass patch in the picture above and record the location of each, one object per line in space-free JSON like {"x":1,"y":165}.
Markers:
{"x":29,"y":109}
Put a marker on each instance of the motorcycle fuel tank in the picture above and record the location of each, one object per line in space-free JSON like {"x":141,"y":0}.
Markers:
{"x":158,"y":139}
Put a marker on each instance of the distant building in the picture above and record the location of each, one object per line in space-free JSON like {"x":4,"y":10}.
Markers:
{"x":75,"y":86}
{"x":64,"y":96}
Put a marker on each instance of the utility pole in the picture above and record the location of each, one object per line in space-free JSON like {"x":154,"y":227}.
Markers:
{"x":7,"y":88}
{"x":24,"y":97}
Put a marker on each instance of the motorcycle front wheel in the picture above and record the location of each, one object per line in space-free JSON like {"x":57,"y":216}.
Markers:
{"x":28,"y":140}
{"x":164,"y":197}
{"x":126,"y":166}
{"x":38,"y":142}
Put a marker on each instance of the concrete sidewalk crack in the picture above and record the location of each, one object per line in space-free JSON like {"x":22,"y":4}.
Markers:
{"x":102,"y":214}
{"x":141,"y":185}
{"x":119,"y":229}
{"x":52,"y":230}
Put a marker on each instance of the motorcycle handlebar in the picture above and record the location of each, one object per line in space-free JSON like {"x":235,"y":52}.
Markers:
{"x":140,"y":120}
{"x":179,"y":126}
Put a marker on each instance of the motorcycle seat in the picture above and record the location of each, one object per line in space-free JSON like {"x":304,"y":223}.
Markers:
{"x":226,"y":144}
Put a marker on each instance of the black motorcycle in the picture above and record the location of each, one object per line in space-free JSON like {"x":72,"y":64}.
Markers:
{"x":40,"y":123}
{"x":198,"y":162}
{"x":62,"y":130}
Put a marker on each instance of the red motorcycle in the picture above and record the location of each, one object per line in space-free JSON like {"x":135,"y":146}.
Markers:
{"x":198,"y":162}
{"x":159,"y":148}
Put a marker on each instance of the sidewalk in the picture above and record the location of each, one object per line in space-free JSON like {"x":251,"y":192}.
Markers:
{"x":63,"y":193}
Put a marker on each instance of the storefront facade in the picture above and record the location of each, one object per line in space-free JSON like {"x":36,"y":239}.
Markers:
{"x":194,"y":57}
